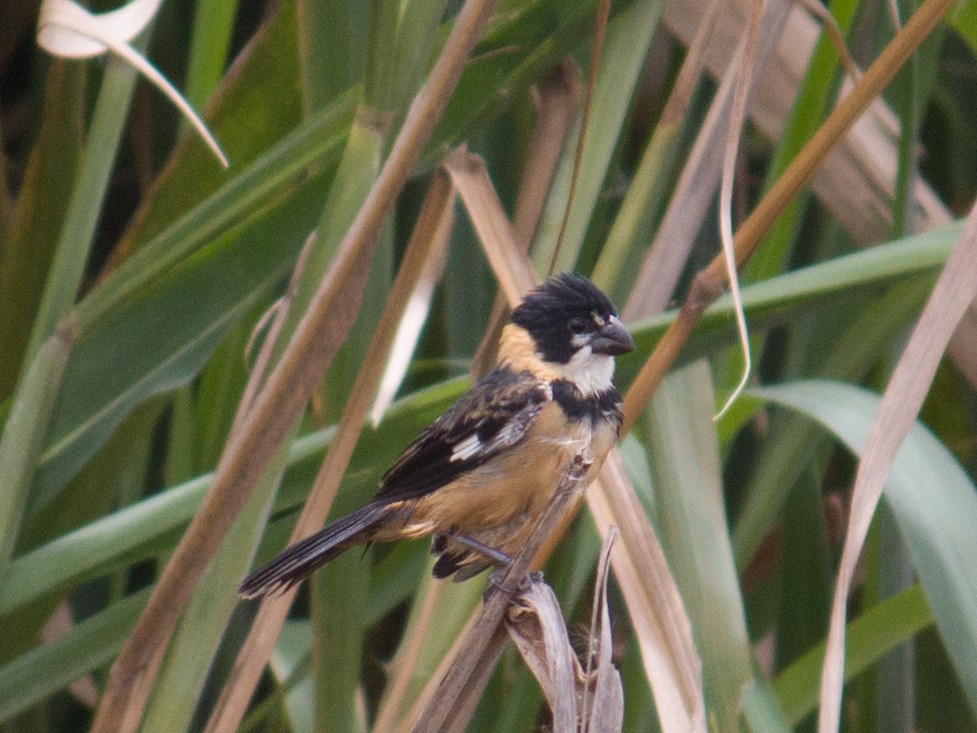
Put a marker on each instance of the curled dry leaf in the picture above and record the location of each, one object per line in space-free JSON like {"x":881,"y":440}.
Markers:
{"x":536,"y":626}
{"x":68,"y":30}
{"x":587,"y":699}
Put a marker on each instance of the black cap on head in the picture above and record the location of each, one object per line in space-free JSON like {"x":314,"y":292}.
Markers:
{"x":558,"y":309}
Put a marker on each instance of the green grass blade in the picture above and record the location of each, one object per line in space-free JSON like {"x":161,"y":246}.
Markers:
{"x":90,"y":645}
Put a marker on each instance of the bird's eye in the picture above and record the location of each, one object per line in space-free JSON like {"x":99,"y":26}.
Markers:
{"x":577,"y":326}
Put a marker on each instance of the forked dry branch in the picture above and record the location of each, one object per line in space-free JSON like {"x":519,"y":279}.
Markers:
{"x":462,"y":686}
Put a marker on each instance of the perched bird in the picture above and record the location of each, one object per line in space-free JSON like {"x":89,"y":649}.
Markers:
{"x":480,"y":475}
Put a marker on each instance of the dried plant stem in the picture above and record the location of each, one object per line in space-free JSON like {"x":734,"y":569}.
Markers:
{"x":332,"y":311}
{"x":559,"y":98}
{"x":250,"y":662}
{"x":462,"y":685}
{"x":708,"y":283}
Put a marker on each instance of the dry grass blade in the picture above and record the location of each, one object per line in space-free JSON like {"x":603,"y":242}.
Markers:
{"x":461,"y":687}
{"x":391,"y":715}
{"x":708,"y":283}
{"x":559,"y":98}
{"x":658,"y":617}
{"x":696,"y":186}
{"x":274,"y":318}
{"x":834,"y":35}
{"x":963,"y":345}
{"x":856,"y":182}
{"x":603,"y":711}
{"x":688,"y":75}
{"x":590,"y":699}
{"x":313,"y":345}
{"x":536,"y":627}
{"x":737,"y":118}
{"x":83,"y":690}
{"x":511,"y":266}
{"x":910,"y":382}
{"x":251,"y":660}
{"x":415,"y":315}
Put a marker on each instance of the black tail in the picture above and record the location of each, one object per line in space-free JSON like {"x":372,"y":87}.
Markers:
{"x":300,"y":560}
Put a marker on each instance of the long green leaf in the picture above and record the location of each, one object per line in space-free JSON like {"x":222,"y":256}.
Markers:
{"x":87,"y":647}
{"x":934,"y":503}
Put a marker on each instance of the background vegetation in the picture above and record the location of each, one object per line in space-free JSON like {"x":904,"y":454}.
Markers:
{"x":134,"y":272}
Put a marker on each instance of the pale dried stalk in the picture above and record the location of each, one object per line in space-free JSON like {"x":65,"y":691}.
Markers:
{"x":275,"y":317}
{"x":536,"y":627}
{"x":604,"y":710}
{"x":559,"y":98}
{"x":257,"y":648}
{"x":600,"y":29}
{"x":313,"y":345}
{"x":744,"y":82}
{"x":535,"y":624}
{"x":657,"y":613}
{"x":856,"y":182}
{"x":512,"y":268}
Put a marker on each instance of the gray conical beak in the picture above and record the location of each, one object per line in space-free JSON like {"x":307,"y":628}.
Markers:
{"x":612,"y":339}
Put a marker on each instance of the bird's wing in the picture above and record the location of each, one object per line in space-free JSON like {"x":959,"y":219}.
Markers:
{"x":492,"y":416}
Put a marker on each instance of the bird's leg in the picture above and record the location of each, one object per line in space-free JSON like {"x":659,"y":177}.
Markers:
{"x":501,"y":559}
{"x":497,"y":556}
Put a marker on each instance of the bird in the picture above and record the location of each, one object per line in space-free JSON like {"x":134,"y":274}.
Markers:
{"x":478,"y":477}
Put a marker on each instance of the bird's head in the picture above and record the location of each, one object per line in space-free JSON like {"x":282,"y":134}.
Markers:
{"x":572,"y":328}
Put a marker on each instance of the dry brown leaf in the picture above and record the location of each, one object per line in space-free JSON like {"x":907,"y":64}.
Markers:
{"x":600,"y":30}
{"x":603,"y":710}
{"x":708,"y":283}
{"x":688,"y":76}
{"x":954,"y":291}
{"x":84,"y":689}
{"x":559,"y":98}
{"x":512,"y":268}
{"x":414,"y":317}
{"x":737,"y":114}
{"x":658,"y":617}
{"x":536,"y":627}
{"x":590,"y":699}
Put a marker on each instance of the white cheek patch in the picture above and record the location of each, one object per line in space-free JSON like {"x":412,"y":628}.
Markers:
{"x":591,"y":373}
